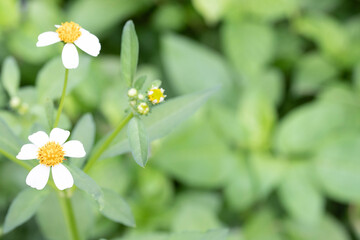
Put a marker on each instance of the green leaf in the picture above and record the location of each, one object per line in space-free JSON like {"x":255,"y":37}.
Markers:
{"x":87,"y":184}
{"x":328,"y":228}
{"x":50,"y":111}
{"x":249,"y":46}
{"x":194,"y":216}
{"x":256,"y":116}
{"x":10,"y":76}
{"x":84,"y":131}
{"x":129,"y":53}
{"x":138,"y":140}
{"x":112,"y":12}
{"x":211,"y":10}
{"x":338,"y":166}
{"x":23,"y":208}
{"x":164,"y":118}
{"x":303,"y":130}
{"x":265,"y":10}
{"x":192,"y":67}
{"x":116,"y":209}
{"x":50,"y":78}
{"x":312,"y":72}
{"x":8,"y":140}
{"x":263,"y":224}
{"x":195,"y":155}
{"x":298,"y":192}
{"x":327,"y":33}
{"x":253,"y":177}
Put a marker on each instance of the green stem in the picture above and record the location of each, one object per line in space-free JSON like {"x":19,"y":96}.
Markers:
{"x":69,"y":215}
{"x":61,"y":104}
{"x":15,"y":160}
{"x":107,"y":142}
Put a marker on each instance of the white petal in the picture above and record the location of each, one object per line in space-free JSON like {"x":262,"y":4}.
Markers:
{"x":28,"y":152}
{"x":39,"y":138}
{"x":62,"y":177}
{"x":47,"y":38}
{"x":70,"y":56}
{"x":38,"y":176}
{"x":89,"y":43}
{"x":57,"y":26}
{"x":59,"y":135}
{"x":74,"y":148}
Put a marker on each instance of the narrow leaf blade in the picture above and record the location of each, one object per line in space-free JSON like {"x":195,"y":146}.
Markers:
{"x":139,"y":141}
{"x":10,"y":76}
{"x":129,"y":53}
{"x":87,"y":184}
{"x":23,"y":208}
{"x":117,"y":209}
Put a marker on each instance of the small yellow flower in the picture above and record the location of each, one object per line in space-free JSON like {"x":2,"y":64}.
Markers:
{"x":143,"y":108}
{"x":50,"y":151}
{"x":71,"y":34}
{"x":156,"y":95}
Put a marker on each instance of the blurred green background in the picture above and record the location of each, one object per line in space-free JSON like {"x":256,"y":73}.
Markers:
{"x":274,"y":155}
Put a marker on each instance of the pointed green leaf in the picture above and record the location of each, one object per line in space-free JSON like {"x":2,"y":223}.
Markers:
{"x":192,"y":67}
{"x":87,"y":184}
{"x":298,"y":191}
{"x":129,"y":53}
{"x":116,"y":209}
{"x":165,"y":117}
{"x":9,"y":142}
{"x":10,"y":76}
{"x":139,"y":141}
{"x":23,"y":208}
{"x":84,"y":131}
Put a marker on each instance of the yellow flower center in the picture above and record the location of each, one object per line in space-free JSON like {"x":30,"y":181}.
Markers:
{"x":69,"y":32}
{"x":156,"y":95}
{"x":51,"y":154}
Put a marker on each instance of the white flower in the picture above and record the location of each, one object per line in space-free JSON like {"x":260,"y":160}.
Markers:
{"x":50,"y":151}
{"x":71,"y":33}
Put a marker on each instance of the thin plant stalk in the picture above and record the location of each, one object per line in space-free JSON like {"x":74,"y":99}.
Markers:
{"x":69,"y":215}
{"x":61,"y":104}
{"x":107,"y":142}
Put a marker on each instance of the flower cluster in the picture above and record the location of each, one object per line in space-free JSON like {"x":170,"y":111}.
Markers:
{"x":142,"y":103}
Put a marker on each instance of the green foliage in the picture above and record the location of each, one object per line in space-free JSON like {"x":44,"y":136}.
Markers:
{"x":10,"y":76}
{"x":138,"y":140}
{"x":23,"y":208}
{"x":116,"y":209}
{"x":85,"y":183}
{"x":129,"y":53}
{"x":273,"y":154}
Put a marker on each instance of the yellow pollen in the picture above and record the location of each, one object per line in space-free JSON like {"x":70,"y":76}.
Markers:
{"x":69,"y":32}
{"x":156,"y":95}
{"x":51,"y":154}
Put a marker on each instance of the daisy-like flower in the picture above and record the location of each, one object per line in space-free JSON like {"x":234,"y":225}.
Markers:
{"x":50,"y":151}
{"x":156,"y":95}
{"x":71,"y":34}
